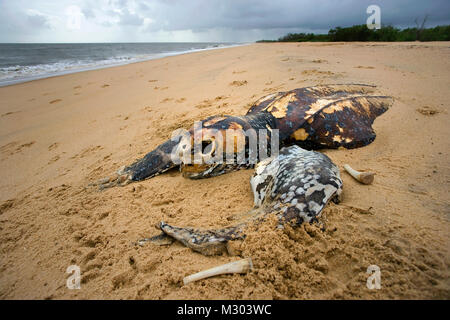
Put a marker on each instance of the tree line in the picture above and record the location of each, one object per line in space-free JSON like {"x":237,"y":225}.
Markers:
{"x":362,"y":33}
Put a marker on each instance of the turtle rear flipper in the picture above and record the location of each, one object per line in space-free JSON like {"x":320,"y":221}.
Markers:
{"x":207,"y":242}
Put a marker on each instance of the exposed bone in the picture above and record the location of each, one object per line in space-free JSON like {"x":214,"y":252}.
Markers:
{"x":363,"y":177}
{"x":240,"y":266}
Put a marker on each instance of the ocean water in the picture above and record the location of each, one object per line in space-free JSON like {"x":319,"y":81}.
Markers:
{"x":24,"y":62}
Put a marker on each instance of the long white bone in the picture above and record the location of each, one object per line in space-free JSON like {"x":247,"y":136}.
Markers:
{"x":240,"y":266}
{"x":363,"y":177}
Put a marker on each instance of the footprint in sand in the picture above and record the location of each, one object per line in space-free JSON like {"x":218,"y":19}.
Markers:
{"x":317,"y":72}
{"x":105,"y":85}
{"x":152,"y":80}
{"x":319,"y":61}
{"x":13,"y":147}
{"x":9,"y":113}
{"x":6,"y":205}
{"x":223,"y":105}
{"x":55,"y":101}
{"x":54,"y":159}
{"x":204,"y":104}
{"x":25,"y":145}
{"x":274,"y":89}
{"x":285,"y":59}
{"x":86,"y":151}
{"x":238,"y":72}
{"x":77,"y":87}
{"x":166,"y":100}
{"x":427,"y":111}
{"x":364,"y":67}
{"x":53,"y":146}
{"x":180,"y":100}
{"x":238,"y":83}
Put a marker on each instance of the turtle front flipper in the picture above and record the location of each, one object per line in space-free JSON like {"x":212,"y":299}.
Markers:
{"x":153,"y":163}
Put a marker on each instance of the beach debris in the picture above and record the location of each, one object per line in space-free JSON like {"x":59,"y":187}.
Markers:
{"x":239,"y":266}
{"x":363,"y":177}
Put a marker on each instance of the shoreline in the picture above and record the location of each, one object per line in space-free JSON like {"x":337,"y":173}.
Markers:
{"x":59,"y":134}
{"x":154,"y":56}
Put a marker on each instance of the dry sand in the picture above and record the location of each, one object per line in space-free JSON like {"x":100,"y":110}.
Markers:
{"x":59,"y":134}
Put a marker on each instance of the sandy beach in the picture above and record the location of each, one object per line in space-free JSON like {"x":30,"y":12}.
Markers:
{"x":59,"y":134}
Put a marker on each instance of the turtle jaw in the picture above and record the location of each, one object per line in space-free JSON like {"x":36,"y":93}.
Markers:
{"x":195,"y":171}
{"x":199,"y":171}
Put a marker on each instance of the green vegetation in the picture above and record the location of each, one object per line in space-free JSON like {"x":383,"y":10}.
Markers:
{"x":362,"y":33}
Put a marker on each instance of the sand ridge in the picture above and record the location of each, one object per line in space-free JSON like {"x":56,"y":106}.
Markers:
{"x":59,"y":134}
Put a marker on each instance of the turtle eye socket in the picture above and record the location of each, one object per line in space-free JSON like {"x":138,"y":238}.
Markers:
{"x":207,"y":147}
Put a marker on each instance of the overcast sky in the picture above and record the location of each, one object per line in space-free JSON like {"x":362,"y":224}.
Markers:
{"x":197,"y":20}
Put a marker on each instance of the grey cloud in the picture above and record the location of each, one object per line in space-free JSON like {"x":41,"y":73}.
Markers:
{"x":38,"y":21}
{"x":130,"y":19}
{"x":269,"y":14}
{"x":17,"y":25}
{"x":88,"y":12}
{"x":209,"y":20}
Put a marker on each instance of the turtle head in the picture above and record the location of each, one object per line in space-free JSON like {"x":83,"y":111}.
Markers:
{"x":214,"y":146}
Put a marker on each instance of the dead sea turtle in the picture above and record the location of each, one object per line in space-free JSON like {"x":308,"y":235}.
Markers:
{"x":295,"y":185}
{"x":324,"y":116}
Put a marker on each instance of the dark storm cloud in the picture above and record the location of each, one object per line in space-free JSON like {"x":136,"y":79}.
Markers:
{"x":201,"y":15}
{"x":199,"y":20}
